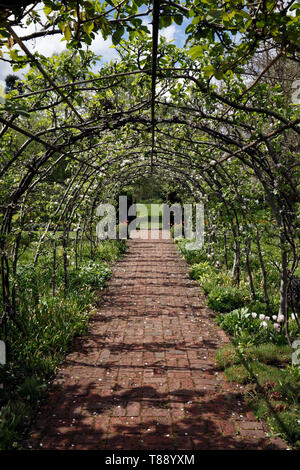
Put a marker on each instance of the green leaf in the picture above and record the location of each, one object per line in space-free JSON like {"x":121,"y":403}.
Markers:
{"x":14,"y":54}
{"x":213,"y":15}
{"x":117,"y":35}
{"x":67,"y":33}
{"x":295,"y":6}
{"x":196,"y":51}
{"x":47,"y":10}
{"x":196,"y":20}
{"x":208,"y":70}
{"x":22,"y":112}
{"x":165,"y":21}
{"x":244,"y":14}
{"x":88,"y":27}
{"x":178,"y":19}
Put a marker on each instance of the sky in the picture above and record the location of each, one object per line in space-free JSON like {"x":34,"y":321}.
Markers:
{"x":53,"y":44}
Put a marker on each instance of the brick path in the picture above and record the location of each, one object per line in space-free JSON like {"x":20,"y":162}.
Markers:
{"x":145,"y":376}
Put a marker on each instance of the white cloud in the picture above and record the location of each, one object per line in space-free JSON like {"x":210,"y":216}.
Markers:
{"x":169,"y":33}
{"x":103,"y":47}
{"x":47,"y":45}
{"x":5,"y":69}
{"x":50,"y":45}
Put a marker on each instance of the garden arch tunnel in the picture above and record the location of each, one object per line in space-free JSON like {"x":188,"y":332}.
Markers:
{"x":71,"y":136}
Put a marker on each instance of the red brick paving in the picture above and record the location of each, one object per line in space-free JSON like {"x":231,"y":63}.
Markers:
{"x":145,"y":376}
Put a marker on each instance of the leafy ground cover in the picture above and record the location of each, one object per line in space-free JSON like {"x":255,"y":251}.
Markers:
{"x":47,"y":325}
{"x":258,"y":356}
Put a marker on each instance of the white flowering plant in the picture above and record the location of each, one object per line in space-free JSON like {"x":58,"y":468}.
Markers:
{"x":89,"y":275}
{"x":252,"y":328}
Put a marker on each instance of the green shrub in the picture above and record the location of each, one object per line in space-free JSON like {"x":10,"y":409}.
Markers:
{"x":208,"y":285}
{"x":209,"y":276}
{"x":220,"y":278}
{"x":30,"y":282}
{"x":50,"y":327}
{"x":226,"y":298}
{"x":199,"y":270}
{"x":239,"y":320}
{"x":261,"y":308}
{"x":90,"y":274}
{"x":111,"y":250}
{"x":12,"y":418}
{"x":32,"y":389}
{"x":191,"y":256}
